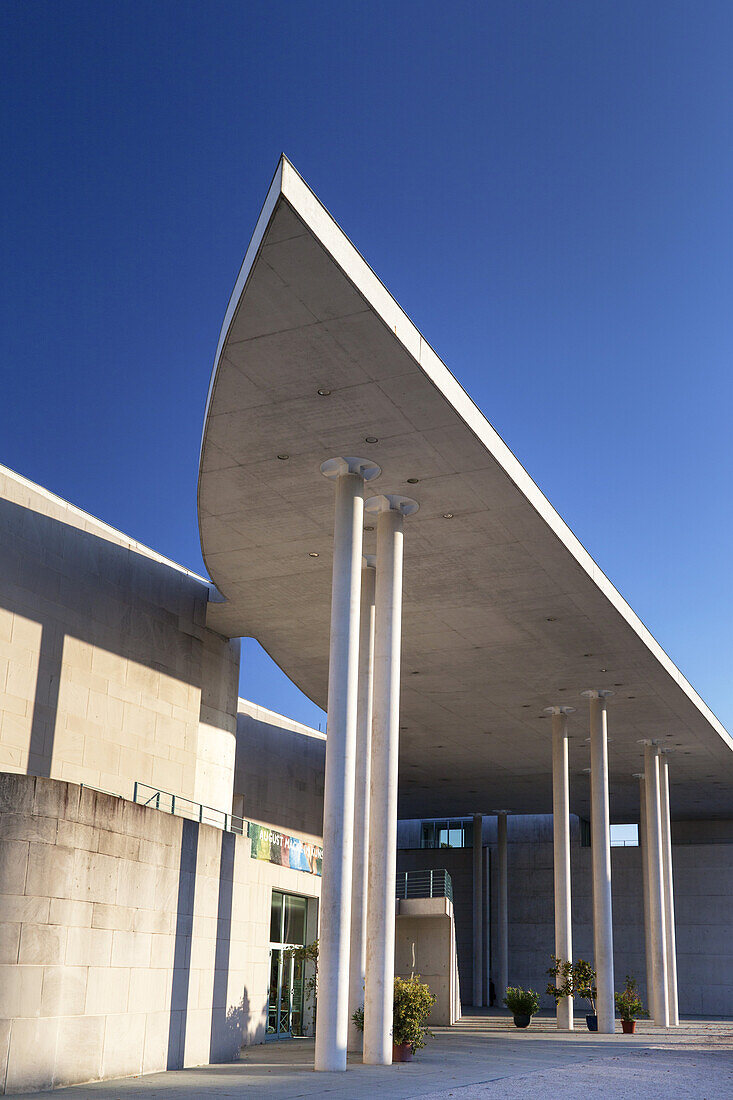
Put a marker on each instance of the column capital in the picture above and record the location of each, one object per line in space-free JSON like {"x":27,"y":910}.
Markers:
{"x":499,"y":813}
{"x":648,"y":741}
{"x":363,"y":467}
{"x":559,"y":710}
{"x":597,"y":693}
{"x":638,"y":775}
{"x":369,"y":561}
{"x":391,"y":502}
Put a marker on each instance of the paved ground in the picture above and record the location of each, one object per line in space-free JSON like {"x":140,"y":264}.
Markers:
{"x":482,"y":1058}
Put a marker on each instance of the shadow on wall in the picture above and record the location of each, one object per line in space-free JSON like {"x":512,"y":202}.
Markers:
{"x":229,"y":1024}
{"x":75,"y":584}
{"x":182,"y":949}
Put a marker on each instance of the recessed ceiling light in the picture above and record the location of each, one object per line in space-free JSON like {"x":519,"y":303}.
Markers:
{"x":368,"y":528}
{"x":587,"y":654}
{"x":324,"y":393}
{"x":313,"y":554}
{"x":283,"y":457}
{"x":618,"y":685}
{"x":447,"y":515}
{"x":371,"y":439}
{"x":551,"y":619}
{"x":604,"y":670}
{"x":412,"y":480}
{"x":525,"y":705}
{"x":416,"y":672}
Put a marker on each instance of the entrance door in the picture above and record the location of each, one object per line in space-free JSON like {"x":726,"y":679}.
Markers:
{"x":287,"y":930}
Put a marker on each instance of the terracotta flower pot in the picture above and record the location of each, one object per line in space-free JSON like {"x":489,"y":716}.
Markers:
{"x":401,"y":1052}
{"x":522,"y":1020}
{"x":628,"y":1027}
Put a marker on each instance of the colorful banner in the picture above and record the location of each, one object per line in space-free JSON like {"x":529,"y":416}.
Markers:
{"x":285,"y":851}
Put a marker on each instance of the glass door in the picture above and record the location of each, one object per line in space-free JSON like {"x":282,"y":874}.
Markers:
{"x":287,"y":930}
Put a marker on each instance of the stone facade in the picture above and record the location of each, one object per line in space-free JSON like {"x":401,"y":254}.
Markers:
{"x":108,"y":673}
{"x":130,"y":940}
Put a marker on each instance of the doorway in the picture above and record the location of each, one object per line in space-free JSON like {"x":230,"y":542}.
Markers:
{"x":287,"y":930}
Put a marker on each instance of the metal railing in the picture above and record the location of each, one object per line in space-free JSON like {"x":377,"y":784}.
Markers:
{"x":424,"y":884}
{"x":175,"y":804}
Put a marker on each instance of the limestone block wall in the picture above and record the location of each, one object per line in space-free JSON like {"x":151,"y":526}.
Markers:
{"x":108,"y":673}
{"x":131,"y":941}
{"x":279,"y":772}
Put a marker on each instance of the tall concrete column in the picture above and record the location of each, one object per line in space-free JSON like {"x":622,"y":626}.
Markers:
{"x":379,"y":980}
{"x":502,"y":907}
{"x":561,"y":846}
{"x":487,"y":925}
{"x":658,"y":1001}
{"x":478,"y":916}
{"x":644,"y":850}
{"x":669,"y":929}
{"x":601,"y":861}
{"x":349,"y":475}
{"x":357,"y":965}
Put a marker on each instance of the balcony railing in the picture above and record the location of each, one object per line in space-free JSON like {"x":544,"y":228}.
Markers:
{"x":424,"y":884}
{"x":184,"y":807}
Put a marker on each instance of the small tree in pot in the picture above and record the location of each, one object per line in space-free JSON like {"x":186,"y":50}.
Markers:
{"x":522,"y":1003}
{"x":584,"y":986}
{"x":561,"y":975}
{"x":413,"y":1003}
{"x":629,"y":1006}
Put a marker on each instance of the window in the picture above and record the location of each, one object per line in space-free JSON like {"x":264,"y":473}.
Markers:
{"x":447,"y":834}
{"x":624,"y":836}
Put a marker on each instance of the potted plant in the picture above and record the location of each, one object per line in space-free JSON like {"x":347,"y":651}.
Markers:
{"x":584,"y":986}
{"x":522,"y":1003}
{"x":413,"y":1003}
{"x":561,"y":975}
{"x":629,"y":1006}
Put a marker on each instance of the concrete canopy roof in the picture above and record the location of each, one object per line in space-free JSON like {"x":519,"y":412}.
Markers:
{"x":505,"y":613}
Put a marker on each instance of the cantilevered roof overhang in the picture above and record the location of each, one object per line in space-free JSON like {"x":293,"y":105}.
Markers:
{"x":505,"y":613}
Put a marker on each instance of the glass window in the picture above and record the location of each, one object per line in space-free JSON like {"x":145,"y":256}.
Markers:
{"x":276,"y":918}
{"x":624,"y":836}
{"x":294,"y":923}
{"x":447,"y":834}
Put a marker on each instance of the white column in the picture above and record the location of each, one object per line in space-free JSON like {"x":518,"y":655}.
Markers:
{"x":644,"y":850}
{"x":658,"y":1002}
{"x":601,"y":860}
{"x":669,"y":929}
{"x":357,"y":965}
{"x":349,"y":475}
{"x":487,"y":925}
{"x":379,"y":981}
{"x":502,"y":908}
{"x":561,"y":845}
{"x":478,"y":916}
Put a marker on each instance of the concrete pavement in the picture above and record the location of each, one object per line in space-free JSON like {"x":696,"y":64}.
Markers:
{"x":481,"y":1058}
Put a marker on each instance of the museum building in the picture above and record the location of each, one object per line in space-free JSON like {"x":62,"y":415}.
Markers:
{"x":494,"y":707}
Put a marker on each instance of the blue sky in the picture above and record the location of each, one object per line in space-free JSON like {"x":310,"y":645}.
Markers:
{"x":544,"y":187}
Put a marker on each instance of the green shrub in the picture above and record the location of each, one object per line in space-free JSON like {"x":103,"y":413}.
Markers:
{"x":521,"y":1002}
{"x":413,"y":1003}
